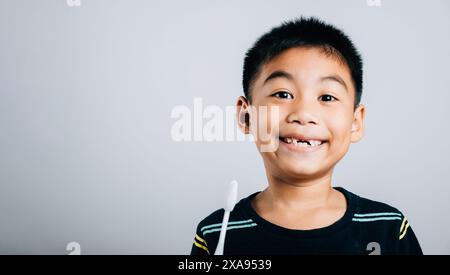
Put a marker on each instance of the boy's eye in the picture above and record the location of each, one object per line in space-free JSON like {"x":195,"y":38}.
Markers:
{"x":283,"y":95}
{"x":327,"y":98}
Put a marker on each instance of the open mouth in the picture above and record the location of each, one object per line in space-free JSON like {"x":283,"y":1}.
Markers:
{"x":305,"y":143}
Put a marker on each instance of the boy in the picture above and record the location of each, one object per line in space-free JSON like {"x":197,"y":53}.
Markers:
{"x":312,"y":73}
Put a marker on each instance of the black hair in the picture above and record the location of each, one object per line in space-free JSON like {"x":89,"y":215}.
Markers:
{"x":306,"y":32}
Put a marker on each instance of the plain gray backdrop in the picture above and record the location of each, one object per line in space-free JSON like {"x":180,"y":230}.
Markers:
{"x":87,"y":92}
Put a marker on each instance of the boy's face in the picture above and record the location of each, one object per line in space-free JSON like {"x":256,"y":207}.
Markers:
{"x":315,"y":97}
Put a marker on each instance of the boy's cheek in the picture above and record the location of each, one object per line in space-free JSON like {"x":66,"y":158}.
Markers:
{"x":339,"y":124}
{"x":340,"y":142}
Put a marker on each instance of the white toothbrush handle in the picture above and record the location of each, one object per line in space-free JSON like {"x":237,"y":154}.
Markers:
{"x":223,"y":232}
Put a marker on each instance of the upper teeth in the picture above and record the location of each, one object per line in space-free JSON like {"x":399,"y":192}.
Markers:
{"x":303,"y":142}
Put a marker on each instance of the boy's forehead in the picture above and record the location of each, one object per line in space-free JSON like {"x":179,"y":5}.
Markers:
{"x":306,"y":62}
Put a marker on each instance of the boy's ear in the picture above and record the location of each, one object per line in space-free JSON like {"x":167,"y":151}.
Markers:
{"x":243,"y":115}
{"x":358,"y":123}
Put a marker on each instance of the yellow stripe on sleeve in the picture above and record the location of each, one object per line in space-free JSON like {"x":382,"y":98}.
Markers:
{"x":200,"y":239}
{"x":201,"y":246}
{"x":401,"y":227}
{"x":404,"y":232}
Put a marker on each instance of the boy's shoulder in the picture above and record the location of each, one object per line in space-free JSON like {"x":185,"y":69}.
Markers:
{"x":376,"y":216}
{"x":238,"y":215}
{"x":370,"y":212}
{"x":208,"y":229}
{"x":364,"y":204}
{"x":382,"y":219}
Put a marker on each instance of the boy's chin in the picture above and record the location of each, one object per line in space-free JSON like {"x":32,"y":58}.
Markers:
{"x":302,"y":170}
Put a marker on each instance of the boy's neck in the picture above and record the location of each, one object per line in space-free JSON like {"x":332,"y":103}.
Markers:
{"x":299,"y":195}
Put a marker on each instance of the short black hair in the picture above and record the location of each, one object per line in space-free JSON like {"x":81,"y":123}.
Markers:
{"x":303,"y":32}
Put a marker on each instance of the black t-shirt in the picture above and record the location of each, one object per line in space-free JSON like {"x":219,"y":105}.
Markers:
{"x":367,"y":227}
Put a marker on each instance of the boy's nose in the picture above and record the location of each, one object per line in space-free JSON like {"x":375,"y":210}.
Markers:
{"x":302,"y":112}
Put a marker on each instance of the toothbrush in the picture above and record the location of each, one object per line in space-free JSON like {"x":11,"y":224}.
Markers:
{"x":229,"y":205}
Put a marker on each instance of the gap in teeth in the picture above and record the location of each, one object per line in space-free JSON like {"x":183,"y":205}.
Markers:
{"x":303,"y":143}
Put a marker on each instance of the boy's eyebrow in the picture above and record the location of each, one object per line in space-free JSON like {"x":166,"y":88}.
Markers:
{"x":284,"y":74}
{"x":335,"y":78}
{"x":277,"y":74}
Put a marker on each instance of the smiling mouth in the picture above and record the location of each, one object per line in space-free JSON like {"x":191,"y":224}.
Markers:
{"x":300,"y":142}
